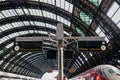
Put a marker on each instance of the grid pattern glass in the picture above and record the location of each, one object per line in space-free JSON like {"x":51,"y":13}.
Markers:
{"x":114,"y":13}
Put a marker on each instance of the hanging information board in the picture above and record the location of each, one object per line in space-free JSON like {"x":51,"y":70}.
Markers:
{"x":27,"y":44}
{"x":91,"y":45}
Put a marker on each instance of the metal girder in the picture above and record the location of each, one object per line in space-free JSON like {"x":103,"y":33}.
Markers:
{"x":47,"y":7}
{"x":100,"y":17}
{"x":12,"y":39}
{"x":104,"y":6}
{"x":22,"y":28}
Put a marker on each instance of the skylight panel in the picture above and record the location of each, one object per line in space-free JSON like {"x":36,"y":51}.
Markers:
{"x":26,"y":23}
{"x":98,"y":30}
{"x":116,"y":17}
{"x":53,"y":2}
{"x":68,"y":23}
{"x":36,"y":23}
{"x":41,"y":0}
{"x":102,"y":34}
{"x":16,"y":24}
{"x":77,"y":65}
{"x":1,"y":16}
{"x":50,"y":1}
{"x":78,"y":61}
{"x":106,"y":39}
{"x":32,"y":23}
{"x":118,"y":25}
{"x":81,"y":60}
{"x":31,"y":11}
{"x":42,"y":24}
{"x":84,"y":56}
{"x":58,"y":3}
{"x":71,"y":8}
{"x":13,"y":11}
{"x":46,"y":1}
{"x":26,"y":11}
{"x":4,"y":13}
{"x":31,"y":31}
{"x":91,"y":54}
{"x":52,"y":15}
{"x":44,"y":13}
{"x":19,"y":11}
{"x":61,"y":20}
{"x":74,"y":66}
{"x":37,"y":12}
{"x":48,"y":14}
{"x":63,"y":4}
{"x":113,"y":9}
{"x":9,"y":45}
{"x":2,"y":0}
{"x":7,"y":12}
{"x":66,"y":6}
{"x":58,"y":18}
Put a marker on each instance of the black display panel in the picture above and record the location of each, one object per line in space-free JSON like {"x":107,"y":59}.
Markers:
{"x":91,"y":45}
{"x":28,"y":45}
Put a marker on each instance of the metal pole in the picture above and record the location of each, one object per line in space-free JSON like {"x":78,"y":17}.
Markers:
{"x":60,"y":61}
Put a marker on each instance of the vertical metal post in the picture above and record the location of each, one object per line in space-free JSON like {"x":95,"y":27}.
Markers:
{"x":60,"y":36}
{"x":60,"y":60}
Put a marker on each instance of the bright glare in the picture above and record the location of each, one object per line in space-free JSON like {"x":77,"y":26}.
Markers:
{"x":50,"y":76}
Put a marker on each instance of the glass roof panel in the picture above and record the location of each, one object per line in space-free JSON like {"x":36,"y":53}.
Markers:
{"x":19,"y":11}
{"x":10,"y":45}
{"x":34,"y":12}
{"x":101,"y":34}
{"x":21,"y":33}
{"x":81,"y":59}
{"x":113,"y":9}
{"x":116,"y":17}
{"x":96,"y":2}
{"x":80,"y":31}
{"x":85,"y":18}
{"x":114,"y":13}
{"x":1,"y":16}
{"x":76,"y":65}
{"x":26,"y":11}
{"x":98,"y":30}
{"x":66,"y":6}
{"x":62,"y":4}
{"x":118,"y":25}
{"x":58,"y":3}
{"x":78,"y":61}
{"x":84,"y":56}
{"x":2,"y":0}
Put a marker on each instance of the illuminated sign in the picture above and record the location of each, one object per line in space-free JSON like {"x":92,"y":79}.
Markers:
{"x":91,"y":45}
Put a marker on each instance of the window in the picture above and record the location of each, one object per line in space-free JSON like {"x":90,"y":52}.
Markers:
{"x":114,"y":12}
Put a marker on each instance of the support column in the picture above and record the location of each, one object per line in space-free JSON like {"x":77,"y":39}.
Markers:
{"x":60,"y":63}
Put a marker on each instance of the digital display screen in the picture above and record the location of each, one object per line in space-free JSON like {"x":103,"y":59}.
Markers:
{"x":91,"y":45}
{"x":29,"y":45}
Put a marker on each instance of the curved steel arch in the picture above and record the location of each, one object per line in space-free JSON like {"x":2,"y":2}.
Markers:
{"x":22,"y":28}
{"x":29,"y":66}
{"x":22,"y":35}
{"x":52,"y":8}
{"x":25,"y":65}
{"x":99,"y":15}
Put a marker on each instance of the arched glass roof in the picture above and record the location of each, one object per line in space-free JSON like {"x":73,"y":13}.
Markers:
{"x":31,"y":18}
